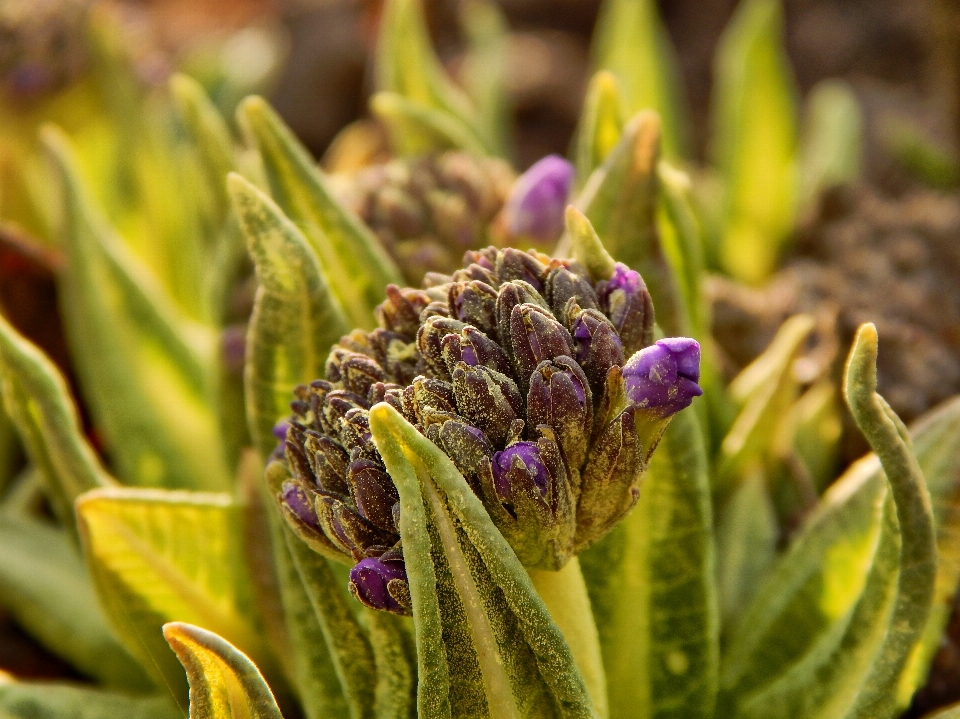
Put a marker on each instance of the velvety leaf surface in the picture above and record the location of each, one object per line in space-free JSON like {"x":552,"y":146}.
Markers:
{"x":48,"y":700}
{"x":754,"y":142}
{"x":224,"y":683}
{"x":651,"y":582}
{"x":485,"y":641}
{"x":157,"y":557}
{"x":144,"y":368}
{"x":45,"y":586}
{"x":356,"y":265}
{"x":38,"y":401}
{"x":295,"y":319}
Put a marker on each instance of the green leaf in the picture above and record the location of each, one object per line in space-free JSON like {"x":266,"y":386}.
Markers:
{"x":418,"y":129}
{"x":349,"y":648}
{"x":157,"y":557}
{"x":651,"y":582}
{"x":295,"y":319}
{"x":600,"y":126}
{"x":224,"y":683}
{"x":586,"y":247}
{"x":391,"y":639}
{"x":407,"y":65}
{"x":45,"y":586}
{"x":144,"y":369}
{"x":682,"y":244}
{"x":486,"y":644}
{"x":952,"y":712}
{"x":358,"y":267}
{"x":485,"y":65}
{"x":620,"y":200}
{"x":49,"y":700}
{"x":746,"y":545}
{"x":38,"y":401}
{"x":754,"y":141}
{"x":832,"y":143}
{"x":631,"y":42}
{"x":916,"y":585}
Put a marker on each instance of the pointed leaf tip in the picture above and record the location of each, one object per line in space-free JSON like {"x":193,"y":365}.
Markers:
{"x":586,"y":246}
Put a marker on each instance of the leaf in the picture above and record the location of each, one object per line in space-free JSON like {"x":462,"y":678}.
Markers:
{"x":407,"y":65}
{"x":484,"y":67}
{"x":49,"y":700}
{"x":486,"y":644}
{"x":651,"y":582}
{"x":157,"y":557}
{"x":952,"y":712}
{"x":586,"y":247}
{"x":916,"y":584}
{"x":754,"y":141}
{"x":391,"y":639}
{"x":144,"y":369}
{"x":746,"y":545}
{"x":358,"y":267}
{"x":38,"y":401}
{"x":832,"y":140}
{"x":224,"y":683}
{"x":349,"y":648}
{"x":600,"y":126}
{"x":418,"y":129}
{"x":631,"y":42}
{"x":295,"y":319}
{"x":45,"y":586}
{"x":620,"y":200}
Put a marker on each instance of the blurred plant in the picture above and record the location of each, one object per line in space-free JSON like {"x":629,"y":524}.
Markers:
{"x":478,"y":453}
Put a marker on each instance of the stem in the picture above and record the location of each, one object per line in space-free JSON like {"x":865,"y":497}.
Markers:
{"x":565,"y":594}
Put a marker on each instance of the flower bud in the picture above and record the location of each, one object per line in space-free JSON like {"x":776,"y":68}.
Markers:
{"x":560,"y":397}
{"x":381,"y":583}
{"x":431,"y":396}
{"x":535,"y":205}
{"x":626,"y":301}
{"x":373,"y":492}
{"x":519,"y":465}
{"x":328,"y":461}
{"x":400,"y":312}
{"x":563,"y":285}
{"x":488,"y":399}
{"x":598,"y":347}
{"x":662,"y":379}
{"x":474,"y":348}
{"x":296,"y":499}
{"x":514,"y":265}
{"x":535,"y":336}
{"x":429,"y":342}
{"x":475,"y":303}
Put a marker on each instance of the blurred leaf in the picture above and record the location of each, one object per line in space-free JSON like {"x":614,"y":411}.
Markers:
{"x":49,"y":700}
{"x":746,"y":545}
{"x":39,"y":403}
{"x":816,"y":432}
{"x":145,"y":369}
{"x":352,"y":258}
{"x":417,"y":129}
{"x":832,"y":143}
{"x":765,"y":389}
{"x":407,"y":65}
{"x":600,"y":126}
{"x":486,"y":644}
{"x":620,"y":199}
{"x":157,"y":557}
{"x":295,"y":320}
{"x":631,"y":42}
{"x":45,"y":586}
{"x":346,"y":641}
{"x":224,"y":683}
{"x":651,"y":581}
{"x":585,"y":246}
{"x":754,"y":140}
{"x":952,"y":712}
{"x":485,"y":66}
{"x":682,"y":244}
{"x":919,"y":154}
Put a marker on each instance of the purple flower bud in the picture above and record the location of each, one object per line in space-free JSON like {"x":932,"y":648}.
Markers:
{"x":300,"y":503}
{"x":626,"y":301}
{"x":280,"y":432}
{"x":520,"y":462}
{"x":535,"y":336}
{"x":598,"y":348}
{"x":400,"y":312}
{"x":664,"y":376}
{"x":560,"y":398}
{"x":474,"y":348}
{"x":535,"y":205}
{"x":488,"y":399}
{"x":379,"y":584}
{"x":475,"y":303}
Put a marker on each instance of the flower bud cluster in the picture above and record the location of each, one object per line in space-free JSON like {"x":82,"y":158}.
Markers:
{"x":539,"y":383}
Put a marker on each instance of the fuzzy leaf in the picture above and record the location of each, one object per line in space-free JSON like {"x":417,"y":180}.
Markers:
{"x":45,"y":586}
{"x":586,"y":247}
{"x":144,"y":369}
{"x":620,"y":199}
{"x":391,"y":639}
{"x":754,"y":142}
{"x":157,"y":557}
{"x":224,"y":683}
{"x":38,"y":401}
{"x":408,"y":66}
{"x":357,"y":266}
{"x":49,"y":700}
{"x":418,"y":129}
{"x":652,"y":586}
{"x":486,"y":644}
{"x":295,"y":320}
{"x":601,"y":125}
{"x":631,"y":42}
